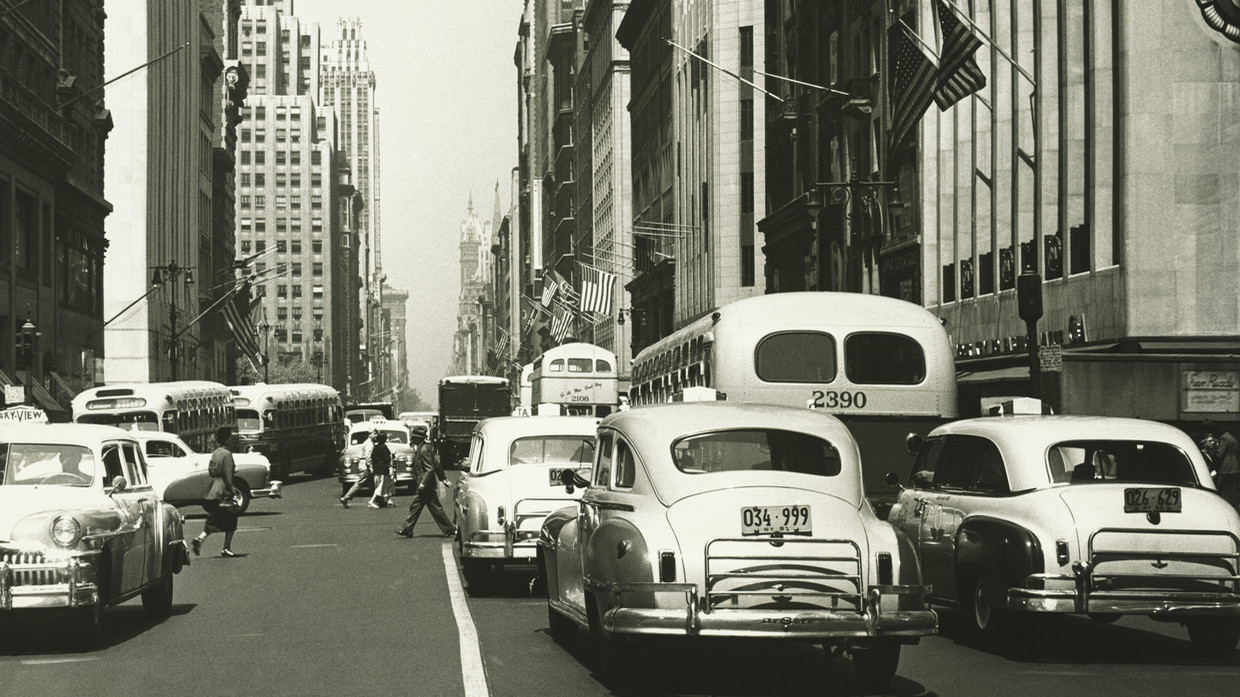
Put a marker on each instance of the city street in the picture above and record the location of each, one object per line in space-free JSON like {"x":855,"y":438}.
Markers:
{"x":328,"y":601}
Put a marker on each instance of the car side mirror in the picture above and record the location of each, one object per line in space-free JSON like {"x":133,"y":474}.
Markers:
{"x":570,"y":479}
{"x":893,"y":479}
{"x":912,"y":443}
{"x":119,"y":484}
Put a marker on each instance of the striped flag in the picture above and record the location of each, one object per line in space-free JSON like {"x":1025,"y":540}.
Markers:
{"x":501,"y":346}
{"x":549,"y":288}
{"x":959,"y":74}
{"x":561,"y":324}
{"x":570,"y":293}
{"x":242,"y":324}
{"x":913,"y":80}
{"x":597,"y":287}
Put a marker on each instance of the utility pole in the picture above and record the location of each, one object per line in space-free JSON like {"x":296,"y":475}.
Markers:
{"x":174,"y":272}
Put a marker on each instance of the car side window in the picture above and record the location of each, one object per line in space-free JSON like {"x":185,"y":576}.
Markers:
{"x":971,"y":463}
{"x":163,"y":448}
{"x":475,"y":454}
{"x":602,"y":470}
{"x":135,"y":466}
{"x":626,"y":465}
{"x":112,"y":463}
{"x":922,"y":476}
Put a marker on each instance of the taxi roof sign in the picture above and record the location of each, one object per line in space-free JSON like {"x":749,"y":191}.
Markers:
{"x":1019,"y":406}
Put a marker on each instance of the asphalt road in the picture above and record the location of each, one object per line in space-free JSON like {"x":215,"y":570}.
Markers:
{"x":328,"y":601}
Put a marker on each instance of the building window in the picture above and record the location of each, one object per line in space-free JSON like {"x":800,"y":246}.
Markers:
{"x":282,"y":291}
{"x":296,"y":247}
{"x":316,"y":246}
{"x":317,"y":269}
{"x":260,"y":179}
{"x":260,"y":48}
{"x":316,"y":202}
{"x":297,"y":269}
{"x":295,"y":202}
{"x":281,"y":246}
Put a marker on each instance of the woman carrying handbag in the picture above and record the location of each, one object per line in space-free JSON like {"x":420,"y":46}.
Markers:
{"x":220,"y":506}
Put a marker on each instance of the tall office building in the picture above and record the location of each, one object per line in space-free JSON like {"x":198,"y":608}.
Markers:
{"x":348,"y":87}
{"x":292,"y":235}
{"x":473,"y":317}
{"x":159,"y":178}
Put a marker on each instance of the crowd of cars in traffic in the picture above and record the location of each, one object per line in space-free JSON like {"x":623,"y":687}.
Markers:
{"x":709,"y":519}
{"x":746,"y":520}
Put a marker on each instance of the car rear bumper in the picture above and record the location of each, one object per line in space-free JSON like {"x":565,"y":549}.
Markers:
{"x":48,"y":584}
{"x":912,"y":621}
{"x":274,"y":490}
{"x":1124,"y":602}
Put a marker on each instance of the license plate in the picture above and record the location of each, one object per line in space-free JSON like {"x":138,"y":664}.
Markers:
{"x":764,"y":520}
{"x":1152,"y":500}
{"x":553,"y":475}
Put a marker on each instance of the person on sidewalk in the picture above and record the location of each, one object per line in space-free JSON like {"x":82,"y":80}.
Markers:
{"x":430,"y":474}
{"x":220,"y":507}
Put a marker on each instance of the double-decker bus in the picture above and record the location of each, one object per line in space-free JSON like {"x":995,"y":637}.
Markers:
{"x":577,"y":379}
{"x":298,"y":426}
{"x":884,"y":366}
{"x":192,"y":409}
{"x":464,"y":400}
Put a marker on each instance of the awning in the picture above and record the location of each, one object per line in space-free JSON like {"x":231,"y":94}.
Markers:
{"x":41,"y":396}
{"x":5,"y":379}
{"x":1009,"y":374}
{"x":63,"y":386}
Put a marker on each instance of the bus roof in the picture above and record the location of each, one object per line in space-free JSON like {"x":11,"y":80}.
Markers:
{"x":805,"y":309}
{"x":473,"y":379}
{"x":300,"y":390}
{"x":171,"y":390}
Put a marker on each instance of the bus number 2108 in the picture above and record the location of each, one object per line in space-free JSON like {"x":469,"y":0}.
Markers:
{"x":830,"y":399}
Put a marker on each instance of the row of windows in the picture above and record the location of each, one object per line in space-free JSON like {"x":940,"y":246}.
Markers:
{"x":259,"y":113}
{"x":282,"y":202}
{"x":283,"y":157}
{"x":283,"y":225}
{"x":282,"y":246}
{"x":259,"y":135}
{"x":285,"y":180}
{"x":282,"y":315}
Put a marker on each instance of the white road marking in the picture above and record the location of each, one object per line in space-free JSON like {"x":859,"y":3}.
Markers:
{"x":473,"y":674}
{"x":52,"y":661}
{"x":327,"y":544}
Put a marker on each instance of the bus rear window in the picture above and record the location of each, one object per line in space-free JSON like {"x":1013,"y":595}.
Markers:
{"x":796,"y":357}
{"x":248,"y":421}
{"x":580,"y":365}
{"x":879,"y":358}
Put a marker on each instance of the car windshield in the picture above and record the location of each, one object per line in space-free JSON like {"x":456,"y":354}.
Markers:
{"x":396,"y":436}
{"x":358,"y":437}
{"x":756,"y":449}
{"x":46,"y":463}
{"x":135,"y":420}
{"x":572,"y":450}
{"x":1092,"y":461}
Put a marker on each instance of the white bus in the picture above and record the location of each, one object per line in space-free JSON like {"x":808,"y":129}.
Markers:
{"x":192,"y":409}
{"x":580,"y":379}
{"x":298,"y":426}
{"x":884,"y":366}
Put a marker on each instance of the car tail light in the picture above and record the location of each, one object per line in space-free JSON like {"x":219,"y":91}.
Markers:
{"x":501,"y":518}
{"x":1061,"y":552}
{"x":884,"y":569}
{"x":667,"y":567}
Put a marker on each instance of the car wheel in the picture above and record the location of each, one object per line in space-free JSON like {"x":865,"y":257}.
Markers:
{"x":990,"y":618}
{"x":241,"y":496}
{"x":561,"y":629}
{"x":1215,"y":637}
{"x":157,"y":600}
{"x":875,"y":663}
{"x":88,"y":623}
{"x":477,"y":575}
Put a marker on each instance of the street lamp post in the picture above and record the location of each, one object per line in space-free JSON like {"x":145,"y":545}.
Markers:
{"x":265,"y":328}
{"x":172,"y":272}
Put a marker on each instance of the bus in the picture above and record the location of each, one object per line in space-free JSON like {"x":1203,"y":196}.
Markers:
{"x":525,"y":405}
{"x":580,"y":379}
{"x":192,"y":409}
{"x":298,"y":426}
{"x":464,"y":400}
{"x":884,"y":366}
{"x":365,"y":411}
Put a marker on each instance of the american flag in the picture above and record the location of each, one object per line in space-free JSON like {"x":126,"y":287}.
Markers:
{"x":597,"y":287}
{"x":242,"y":324}
{"x":959,"y":74}
{"x":549,"y":288}
{"x":914,"y":81}
{"x":501,"y":346}
{"x":561,"y":324}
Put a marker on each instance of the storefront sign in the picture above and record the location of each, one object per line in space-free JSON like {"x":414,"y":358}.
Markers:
{"x":23,"y":414}
{"x":1051,"y":358}
{"x":1210,"y":391}
{"x":14,"y":394}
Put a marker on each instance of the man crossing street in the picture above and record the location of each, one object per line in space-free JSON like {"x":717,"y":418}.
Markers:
{"x":429,"y":473}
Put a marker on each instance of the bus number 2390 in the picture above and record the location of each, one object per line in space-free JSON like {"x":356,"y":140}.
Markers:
{"x":831,"y":399}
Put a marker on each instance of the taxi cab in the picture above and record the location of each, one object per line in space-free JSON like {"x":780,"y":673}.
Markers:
{"x":512,"y":483}
{"x":1098,"y":516}
{"x":81,"y":528}
{"x":354,"y":464}
{"x":180,"y":475}
{"x":730,"y":520}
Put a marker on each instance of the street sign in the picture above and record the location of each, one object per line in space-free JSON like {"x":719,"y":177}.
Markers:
{"x":1051,"y":358}
{"x":14,"y":394}
{"x":23,"y":414}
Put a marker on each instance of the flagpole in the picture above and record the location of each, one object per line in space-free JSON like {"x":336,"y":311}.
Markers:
{"x":725,"y":70}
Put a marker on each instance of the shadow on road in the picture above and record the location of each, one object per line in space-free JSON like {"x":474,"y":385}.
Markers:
{"x":41,"y":632}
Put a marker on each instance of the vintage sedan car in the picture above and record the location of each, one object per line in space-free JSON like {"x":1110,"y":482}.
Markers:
{"x":1096,"y":516}
{"x":512,"y":483}
{"x":179,"y":475}
{"x":353,"y":460}
{"x":731,"y":520}
{"x":81,"y":528}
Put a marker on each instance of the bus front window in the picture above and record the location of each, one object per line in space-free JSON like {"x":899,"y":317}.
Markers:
{"x":248,"y":421}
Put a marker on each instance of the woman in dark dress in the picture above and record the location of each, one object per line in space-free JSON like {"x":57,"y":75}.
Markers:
{"x":221,"y":512}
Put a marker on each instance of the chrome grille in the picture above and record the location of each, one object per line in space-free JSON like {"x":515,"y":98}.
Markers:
{"x":21,"y":576}
{"x":753,"y":573}
{"x":1142,"y":559}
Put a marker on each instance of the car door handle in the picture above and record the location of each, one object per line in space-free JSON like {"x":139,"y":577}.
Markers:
{"x":918,"y":507}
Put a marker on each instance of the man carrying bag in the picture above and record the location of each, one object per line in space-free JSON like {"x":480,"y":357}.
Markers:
{"x":430,"y":474}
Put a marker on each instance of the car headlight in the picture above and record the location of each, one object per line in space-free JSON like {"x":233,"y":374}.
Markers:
{"x":66,"y":531}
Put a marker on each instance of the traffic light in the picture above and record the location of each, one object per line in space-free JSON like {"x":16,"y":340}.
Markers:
{"x":1029,"y":296}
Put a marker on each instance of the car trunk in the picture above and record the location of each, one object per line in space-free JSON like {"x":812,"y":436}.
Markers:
{"x":752,"y":548}
{"x":533,"y":492}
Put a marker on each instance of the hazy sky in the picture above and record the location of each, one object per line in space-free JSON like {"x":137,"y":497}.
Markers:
{"x":445,"y":87}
